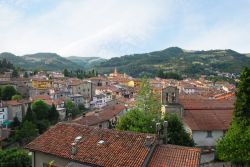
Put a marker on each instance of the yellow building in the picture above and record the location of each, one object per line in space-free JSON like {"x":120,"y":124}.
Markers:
{"x":134,"y":83}
{"x":42,"y":84}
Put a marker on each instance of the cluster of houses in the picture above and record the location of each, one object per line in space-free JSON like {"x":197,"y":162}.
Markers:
{"x":205,"y":107}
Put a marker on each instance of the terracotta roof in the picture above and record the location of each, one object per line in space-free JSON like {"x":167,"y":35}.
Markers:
{"x":208,"y":119}
{"x":40,"y":97}
{"x":118,"y":149}
{"x":105,"y":114}
{"x":201,"y":104}
{"x":175,"y":156}
{"x":55,"y":102}
{"x":13,"y":103}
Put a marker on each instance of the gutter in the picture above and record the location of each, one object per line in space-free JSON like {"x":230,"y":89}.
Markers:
{"x":150,"y":154}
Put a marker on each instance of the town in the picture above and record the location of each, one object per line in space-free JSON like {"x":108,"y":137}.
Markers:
{"x":67,"y":110}
{"x":124,"y":83}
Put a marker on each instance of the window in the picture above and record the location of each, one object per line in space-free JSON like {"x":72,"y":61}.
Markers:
{"x":209,"y":134}
{"x":167,"y":97}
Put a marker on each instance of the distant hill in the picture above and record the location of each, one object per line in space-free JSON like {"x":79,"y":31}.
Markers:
{"x":87,"y":62}
{"x":172,"y":59}
{"x":48,"y":61}
{"x":177,"y":60}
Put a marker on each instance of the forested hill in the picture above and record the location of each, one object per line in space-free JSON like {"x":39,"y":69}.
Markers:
{"x":177,"y":60}
{"x":50,"y":61}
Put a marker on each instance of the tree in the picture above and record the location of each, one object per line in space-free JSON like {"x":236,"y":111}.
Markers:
{"x":53,"y":115}
{"x":147,"y":113}
{"x":26,"y":133}
{"x":138,"y":121}
{"x":26,"y":75}
{"x":71,"y":109}
{"x":14,"y":158}
{"x":146,"y":100}
{"x":7,"y":92}
{"x":16,"y":97}
{"x":41,"y":109}
{"x":66,"y":73}
{"x":35,"y":71}
{"x":15,"y":73}
{"x":176,"y":133}
{"x":30,"y":115}
{"x":235,"y":145}
{"x":16,"y":122}
{"x":42,"y":125}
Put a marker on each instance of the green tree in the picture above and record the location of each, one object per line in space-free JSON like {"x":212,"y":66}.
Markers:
{"x":14,"y":158}
{"x":235,"y":145}
{"x":15,"y":73}
{"x":26,"y":133}
{"x":42,"y":125}
{"x":147,"y":113}
{"x":26,"y":75}
{"x":30,"y":115}
{"x":41,"y":109}
{"x":35,"y":71}
{"x":138,"y":121}
{"x":66,"y":73}
{"x":71,"y":109}
{"x":7,"y":92}
{"x":53,"y":115}
{"x":146,"y":100}
{"x":16,"y":123}
{"x":176,"y":133}
{"x":16,"y":97}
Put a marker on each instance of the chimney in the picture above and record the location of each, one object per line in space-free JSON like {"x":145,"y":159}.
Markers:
{"x":148,"y":141}
{"x":73,"y":149}
{"x":158,"y":130}
{"x":165,"y":132}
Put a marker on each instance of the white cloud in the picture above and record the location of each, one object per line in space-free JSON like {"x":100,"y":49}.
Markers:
{"x":87,"y":28}
{"x":113,"y":28}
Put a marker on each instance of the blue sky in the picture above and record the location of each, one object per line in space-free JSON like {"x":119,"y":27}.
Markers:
{"x":109,"y":28}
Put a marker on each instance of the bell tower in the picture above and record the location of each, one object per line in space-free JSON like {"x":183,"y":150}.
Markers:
{"x":170,"y":95}
{"x":170,"y":101}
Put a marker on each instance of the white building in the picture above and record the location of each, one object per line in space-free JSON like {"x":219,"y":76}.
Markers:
{"x":207,"y":126}
{"x":100,"y":100}
{"x":3,"y":114}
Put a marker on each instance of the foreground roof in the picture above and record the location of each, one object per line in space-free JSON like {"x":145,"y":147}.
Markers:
{"x":118,"y":149}
{"x":175,"y":156}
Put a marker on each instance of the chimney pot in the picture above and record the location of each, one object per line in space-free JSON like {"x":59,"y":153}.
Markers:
{"x":148,"y":141}
{"x":73,"y":149}
{"x":165,"y":132}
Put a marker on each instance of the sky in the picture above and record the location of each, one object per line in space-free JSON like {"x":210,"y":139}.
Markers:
{"x":109,"y":28}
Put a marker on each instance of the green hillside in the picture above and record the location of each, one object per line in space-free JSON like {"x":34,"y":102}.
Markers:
{"x":43,"y":61}
{"x":87,"y":62}
{"x":177,"y":60}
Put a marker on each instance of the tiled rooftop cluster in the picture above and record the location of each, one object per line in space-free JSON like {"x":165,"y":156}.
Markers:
{"x":103,"y":147}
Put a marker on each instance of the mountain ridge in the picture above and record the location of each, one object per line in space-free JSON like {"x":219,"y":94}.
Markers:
{"x":172,"y":59}
{"x":175,"y":59}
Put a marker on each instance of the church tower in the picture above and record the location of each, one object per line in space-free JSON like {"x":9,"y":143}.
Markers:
{"x":170,"y":101}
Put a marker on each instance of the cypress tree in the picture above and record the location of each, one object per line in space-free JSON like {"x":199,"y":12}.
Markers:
{"x":30,"y":115}
{"x":235,"y":145}
{"x":53,"y":114}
